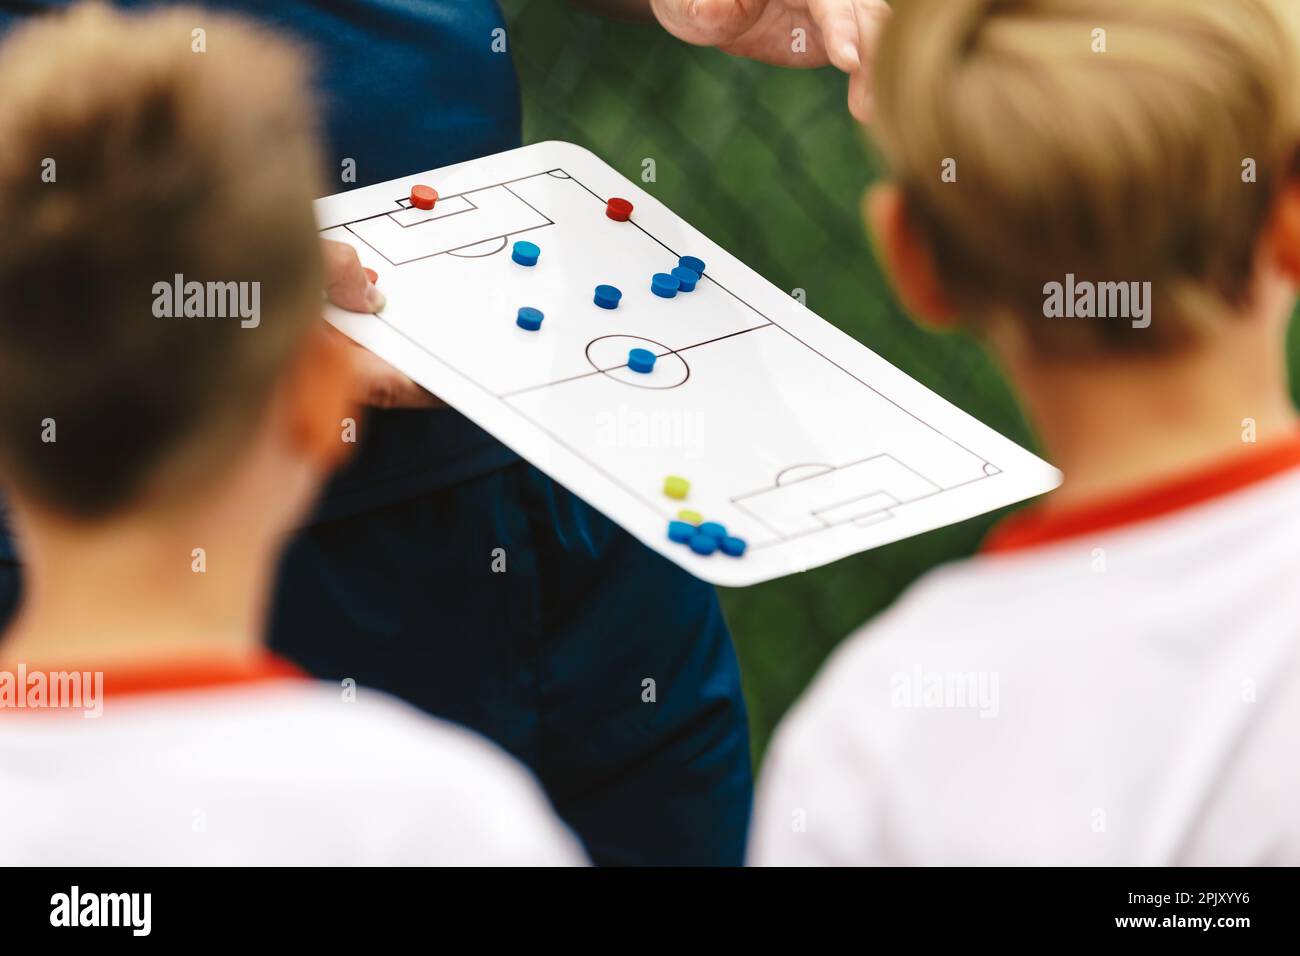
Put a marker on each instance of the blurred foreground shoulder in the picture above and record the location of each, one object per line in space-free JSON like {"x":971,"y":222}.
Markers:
{"x":454,"y":797}
{"x":817,"y":803}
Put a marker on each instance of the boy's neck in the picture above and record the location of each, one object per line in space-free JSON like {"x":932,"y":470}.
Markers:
{"x":135,"y":592}
{"x":1124,"y":423}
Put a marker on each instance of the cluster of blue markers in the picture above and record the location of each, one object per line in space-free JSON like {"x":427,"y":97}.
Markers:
{"x":666,"y":285}
{"x":682,"y":279}
{"x":705,"y":538}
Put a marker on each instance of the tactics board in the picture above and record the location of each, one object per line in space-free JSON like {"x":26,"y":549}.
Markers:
{"x":797,"y":438}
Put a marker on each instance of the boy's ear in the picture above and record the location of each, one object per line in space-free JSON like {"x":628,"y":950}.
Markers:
{"x":907,"y":261}
{"x":320,"y":403}
{"x":1286,"y":230}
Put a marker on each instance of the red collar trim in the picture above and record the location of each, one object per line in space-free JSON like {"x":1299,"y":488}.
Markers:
{"x":183,"y":674}
{"x":198,"y":673}
{"x":1032,"y":527}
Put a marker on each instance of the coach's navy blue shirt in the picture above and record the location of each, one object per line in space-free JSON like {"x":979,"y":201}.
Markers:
{"x":405,"y":85}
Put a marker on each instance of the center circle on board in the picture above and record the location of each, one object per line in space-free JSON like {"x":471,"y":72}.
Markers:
{"x":609,"y":353}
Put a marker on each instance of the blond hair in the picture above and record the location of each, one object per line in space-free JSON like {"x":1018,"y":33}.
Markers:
{"x":1108,"y":139}
{"x":136,"y":149}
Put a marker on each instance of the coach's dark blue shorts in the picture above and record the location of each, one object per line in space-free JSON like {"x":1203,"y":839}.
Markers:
{"x":549,"y":657}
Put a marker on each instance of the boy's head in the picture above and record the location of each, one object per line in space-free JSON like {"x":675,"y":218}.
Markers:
{"x":1111,"y":141}
{"x":145,"y":156}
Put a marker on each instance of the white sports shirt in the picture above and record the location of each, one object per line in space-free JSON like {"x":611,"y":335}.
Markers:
{"x":262,"y":768}
{"x":1119,"y":685}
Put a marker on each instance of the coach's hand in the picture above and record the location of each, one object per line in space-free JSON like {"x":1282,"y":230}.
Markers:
{"x":376,"y":383}
{"x":840,"y":32}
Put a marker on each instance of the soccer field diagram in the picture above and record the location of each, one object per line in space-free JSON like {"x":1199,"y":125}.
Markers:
{"x":798,"y":439}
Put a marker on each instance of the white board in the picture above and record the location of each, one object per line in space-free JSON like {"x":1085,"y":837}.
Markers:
{"x":796,"y":437}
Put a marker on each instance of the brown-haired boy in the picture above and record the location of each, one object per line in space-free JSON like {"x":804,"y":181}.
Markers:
{"x":169,"y":404}
{"x":1107,"y":192}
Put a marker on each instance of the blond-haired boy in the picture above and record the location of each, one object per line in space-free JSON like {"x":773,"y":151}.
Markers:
{"x":1108,"y":193}
{"x":169,"y":405}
